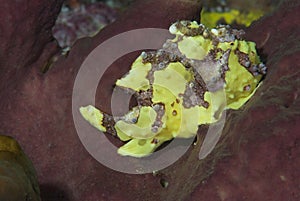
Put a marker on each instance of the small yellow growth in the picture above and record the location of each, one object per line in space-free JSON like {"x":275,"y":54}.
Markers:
{"x":211,"y":19}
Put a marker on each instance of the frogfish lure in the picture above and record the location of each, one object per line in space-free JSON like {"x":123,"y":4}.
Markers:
{"x":189,"y":82}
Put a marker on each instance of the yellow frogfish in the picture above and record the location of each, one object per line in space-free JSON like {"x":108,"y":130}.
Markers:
{"x":189,"y":82}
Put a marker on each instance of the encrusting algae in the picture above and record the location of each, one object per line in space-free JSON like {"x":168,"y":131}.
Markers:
{"x":189,"y":82}
{"x":212,"y":18}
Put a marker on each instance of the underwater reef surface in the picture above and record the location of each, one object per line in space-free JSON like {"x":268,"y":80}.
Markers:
{"x":81,"y":21}
{"x":256,"y":159}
